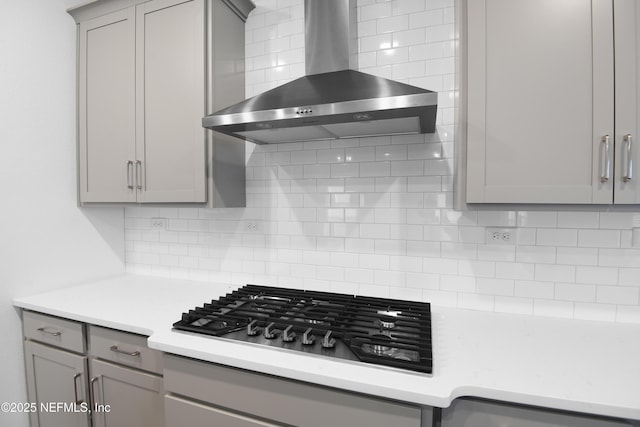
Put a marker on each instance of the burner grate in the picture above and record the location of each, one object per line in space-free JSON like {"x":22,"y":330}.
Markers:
{"x":381,"y":331}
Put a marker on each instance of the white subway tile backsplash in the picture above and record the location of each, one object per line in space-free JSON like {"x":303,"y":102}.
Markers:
{"x":554,"y":273}
{"x":619,"y":257}
{"x":575,"y":292}
{"x":536,"y":254}
{"x":344,"y":170}
{"x":498,"y":287}
{"x":597,"y":275}
{"x":375,"y":11}
{"x":577,"y":256}
{"x":578,"y":219}
{"x":515,"y":270}
{"x":409,"y":38}
{"x":599,"y":238}
{"x":622,"y":295}
{"x":497,"y":218}
{"x":426,"y":19}
{"x":496,"y":253}
{"x":629,"y":277}
{"x":374,"y":215}
{"x":407,"y":7}
{"x":556,"y":237}
{"x":392,"y":24}
{"x":617,"y":220}
{"x":533,"y":289}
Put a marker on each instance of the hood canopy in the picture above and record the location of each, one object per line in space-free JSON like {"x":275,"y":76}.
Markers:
{"x":332,"y":100}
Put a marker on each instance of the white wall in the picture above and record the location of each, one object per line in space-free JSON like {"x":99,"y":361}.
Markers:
{"x":374,"y":215}
{"x":46,"y":241}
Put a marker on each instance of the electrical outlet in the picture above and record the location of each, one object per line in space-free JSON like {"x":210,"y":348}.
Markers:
{"x":158,"y":223}
{"x":501,"y":236}
{"x":252,"y":226}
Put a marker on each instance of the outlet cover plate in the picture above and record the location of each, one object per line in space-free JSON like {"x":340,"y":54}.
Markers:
{"x":502,"y":236}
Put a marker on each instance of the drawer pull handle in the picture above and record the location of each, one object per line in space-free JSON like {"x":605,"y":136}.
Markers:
{"x":54,"y":333}
{"x":75,"y":388}
{"x":115,"y":348}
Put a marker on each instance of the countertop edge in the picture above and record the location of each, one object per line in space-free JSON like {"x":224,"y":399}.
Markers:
{"x":454,"y":376}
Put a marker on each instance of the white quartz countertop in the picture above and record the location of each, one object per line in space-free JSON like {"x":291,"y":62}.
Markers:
{"x":584,"y":366}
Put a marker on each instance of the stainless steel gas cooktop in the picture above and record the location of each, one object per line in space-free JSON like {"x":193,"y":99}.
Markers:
{"x":381,"y":331}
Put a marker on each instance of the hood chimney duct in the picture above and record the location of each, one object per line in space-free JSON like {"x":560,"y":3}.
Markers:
{"x":331,"y":36}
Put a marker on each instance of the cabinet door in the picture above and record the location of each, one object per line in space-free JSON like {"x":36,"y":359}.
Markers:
{"x":170,"y":37}
{"x":134,"y":398}
{"x":106,"y":111}
{"x":181,"y":412}
{"x":56,"y":376}
{"x":540,"y":101}
{"x":282,"y":401}
{"x":481,"y":413}
{"x":627,"y":54}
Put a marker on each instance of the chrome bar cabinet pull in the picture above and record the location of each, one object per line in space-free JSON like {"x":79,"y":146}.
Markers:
{"x":115,"y":349}
{"x":94,"y":393}
{"x":605,"y":161}
{"x":139,"y":174}
{"x":130,"y":175}
{"x":75,"y":388}
{"x":54,"y":333}
{"x":628,"y":160}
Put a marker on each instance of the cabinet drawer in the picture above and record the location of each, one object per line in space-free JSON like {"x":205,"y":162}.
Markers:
{"x":180,"y":410}
{"x":283,"y":401}
{"x":63,"y":333}
{"x":124,"y":348}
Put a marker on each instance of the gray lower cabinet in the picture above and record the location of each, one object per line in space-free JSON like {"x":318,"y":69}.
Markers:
{"x":56,"y":370}
{"x":114,"y":381}
{"x":180,"y":410}
{"x":125,"y":397}
{"x":199,"y":392}
{"x":55,"y":375}
{"x":483,"y":413}
{"x":126,"y":379}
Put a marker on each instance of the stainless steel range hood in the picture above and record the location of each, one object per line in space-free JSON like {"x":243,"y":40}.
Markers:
{"x":332,"y":100}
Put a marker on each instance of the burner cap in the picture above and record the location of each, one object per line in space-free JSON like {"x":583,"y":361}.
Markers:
{"x":218,"y":324}
{"x":317,"y":314}
{"x":385,"y":322}
{"x":378,"y":347}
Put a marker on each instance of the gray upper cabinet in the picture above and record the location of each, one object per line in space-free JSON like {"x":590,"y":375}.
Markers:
{"x":542,"y":81}
{"x":147,"y":74}
{"x":627,"y":100}
{"x":106,"y":110}
{"x":169,"y":66}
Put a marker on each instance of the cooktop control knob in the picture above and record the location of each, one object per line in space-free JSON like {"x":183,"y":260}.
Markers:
{"x":307,"y":338}
{"x":328,"y":341}
{"x":252,"y":329}
{"x":268,"y":331}
{"x":288,"y":335}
